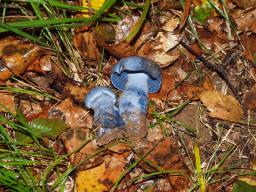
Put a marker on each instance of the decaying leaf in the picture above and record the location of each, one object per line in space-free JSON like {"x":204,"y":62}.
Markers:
{"x":124,"y":27}
{"x":16,"y":57}
{"x":193,"y":91}
{"x":243,"y":186}
{"x":119,"y":50}
{"x":250,"y":98}
{"x":73,"y":139}
{"x":86,"y":44}
{"x":42,"y":65}
{"x":101,"y":178}
{"x":73,"y":115}
{"x":166,"y":155}
{"x":76,"y":91}
{"x":220,"y":106}
{"x":160,"y":48}
{"x":249,"y":46}
{"x":166,"y":90}
{"x":246,"y":20}
{"x":244,"y":3}
{"x":7,"y":102}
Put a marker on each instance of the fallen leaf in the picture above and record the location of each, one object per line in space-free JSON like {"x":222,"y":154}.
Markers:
{"x":167,"y":157}
{"x":106,"y":32}
{"x":249,"y":46}
{"x":161,"y":48}
{"x":245,"y":21}
{"x":30,"y":109}
{"x":119,"y":50}
{"x":185,"y":14}
{"x":7,"y":102}
{"x":78,"y":92}
{"x":250,"y":98}
{"x":102,"y":178}
{"x":87,"y":46}
{"x":42,"y":65}
{"x":220,"y":106}
{"x":166,"y":90}
{"x":114,"y":167}
{"x":71,"y":114}
{"x":250,"y":179}
{"x":194,"y":90}
{"x":244,"y":3}
{"x":16,"y":57}
{"x":89,"y":180}
{"x":124,"y":27}
{"x":73,"y":139}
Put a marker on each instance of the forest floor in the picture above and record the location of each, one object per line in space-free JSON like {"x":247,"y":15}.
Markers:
{"x":200,"y":125}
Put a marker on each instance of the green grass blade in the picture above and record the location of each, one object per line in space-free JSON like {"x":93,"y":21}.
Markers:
{"x":137,"y":26}
{"x":198,"y":168}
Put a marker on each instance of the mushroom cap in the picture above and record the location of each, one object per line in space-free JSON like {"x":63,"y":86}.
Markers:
{"x":136,"y":64}
{"x":100,"y":96}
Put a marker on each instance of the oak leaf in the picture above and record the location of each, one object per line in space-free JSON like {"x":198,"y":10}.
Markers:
{"x":221,"y":106}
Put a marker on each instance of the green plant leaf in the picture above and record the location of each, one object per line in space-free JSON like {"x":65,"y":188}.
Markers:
{"x":41,"y":127}
{"x":203,"y":12}
{"x":241,"y":186}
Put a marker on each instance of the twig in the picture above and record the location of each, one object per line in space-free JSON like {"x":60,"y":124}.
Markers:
{"x":219,"y":69}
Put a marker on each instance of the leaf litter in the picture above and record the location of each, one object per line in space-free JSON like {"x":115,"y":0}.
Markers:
{"x":197,"y":106}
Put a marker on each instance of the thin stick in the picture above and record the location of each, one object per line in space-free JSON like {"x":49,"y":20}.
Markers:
{"x":219,"y":69}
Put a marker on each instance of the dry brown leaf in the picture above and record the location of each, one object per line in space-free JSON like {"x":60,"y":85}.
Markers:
{"x":220,"y":106}
{"x":73,"y":138}
{"x":30,"y":109}
{"x":244,"y":3}
{"x":76,"y":91}
{"x":16,"y":56}
{"x":246,"y":20}
{"x":166,"y":90}
{"x":74,"y":116}
{"x":42,"y":65}
{"x":7,"y":102}
{"x":166,"y":155}
{"x":87,"y":46}
{"x":119,"y":50}
{"x":249,"y":46}
{"x":160,"y":49}
{"x":250,"y":98}
{"x":192,"y":91}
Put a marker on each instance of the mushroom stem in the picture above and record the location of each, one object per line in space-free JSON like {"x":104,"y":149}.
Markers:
{"x":135,"y":95}
{"x":133,"y":105}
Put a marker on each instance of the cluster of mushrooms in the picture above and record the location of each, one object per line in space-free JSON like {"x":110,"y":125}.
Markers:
{"x":136,"y":77}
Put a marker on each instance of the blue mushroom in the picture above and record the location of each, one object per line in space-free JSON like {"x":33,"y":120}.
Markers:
{"x":136,"y":77}
{"x":106,"y":116}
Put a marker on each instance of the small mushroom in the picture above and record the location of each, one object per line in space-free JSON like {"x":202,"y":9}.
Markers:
{"x":136,"y":76}
{"x":106,"y":117}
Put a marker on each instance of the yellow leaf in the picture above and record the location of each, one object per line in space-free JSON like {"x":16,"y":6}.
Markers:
{"x":89,"y":180}
{"x":92,"y":5}
{"x":220,"y":106}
